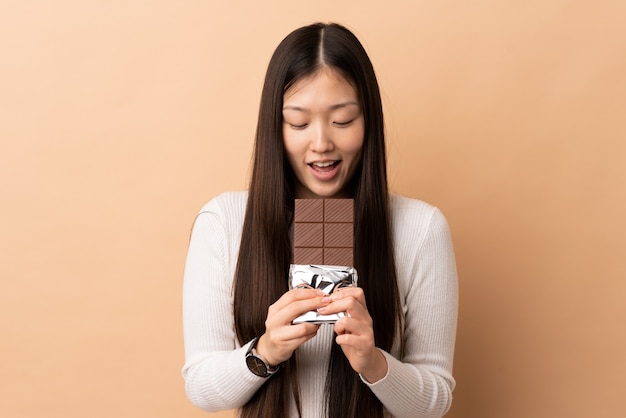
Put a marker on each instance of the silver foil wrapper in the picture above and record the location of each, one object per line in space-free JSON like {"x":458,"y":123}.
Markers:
{"x":325,"y":278}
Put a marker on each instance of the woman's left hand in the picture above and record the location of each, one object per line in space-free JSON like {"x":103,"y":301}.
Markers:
{"x":355,"y":334}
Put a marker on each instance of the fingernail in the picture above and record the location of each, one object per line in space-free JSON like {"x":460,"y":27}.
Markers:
{"x":325,"y":300}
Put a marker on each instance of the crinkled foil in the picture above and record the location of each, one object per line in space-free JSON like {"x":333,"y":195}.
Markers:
{"x":325,"y":278}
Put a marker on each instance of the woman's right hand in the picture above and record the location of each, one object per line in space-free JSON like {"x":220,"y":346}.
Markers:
{"x":281,"y":337}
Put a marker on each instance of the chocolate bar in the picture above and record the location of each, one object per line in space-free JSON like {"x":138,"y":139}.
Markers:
{"x":323,"y":232}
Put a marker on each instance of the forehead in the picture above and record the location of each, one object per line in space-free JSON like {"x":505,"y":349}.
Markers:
{"x":325,"y":84}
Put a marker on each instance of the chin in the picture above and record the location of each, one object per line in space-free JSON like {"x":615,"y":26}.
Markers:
{"x":316,"y":193}
{"x":315,"y":190}
{"x":330,"y":194}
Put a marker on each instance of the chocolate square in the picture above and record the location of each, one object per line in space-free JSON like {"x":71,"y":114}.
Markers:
{"x":309,"y":210}
{"x":308,"y":234}
{"x":304,"y":255}
{"x":339,"y":210}
{"x":338,"y":235}
{"x":338,"y":256}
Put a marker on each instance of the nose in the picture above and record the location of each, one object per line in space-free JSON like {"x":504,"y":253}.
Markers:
{"x":321,"y":141}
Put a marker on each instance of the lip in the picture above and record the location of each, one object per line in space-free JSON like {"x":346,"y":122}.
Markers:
{"x":326,"y":174}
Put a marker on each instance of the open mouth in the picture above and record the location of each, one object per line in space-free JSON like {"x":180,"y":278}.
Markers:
{"x":325,"y":166}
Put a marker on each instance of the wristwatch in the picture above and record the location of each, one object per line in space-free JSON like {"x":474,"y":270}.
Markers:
{"x":257,"y":364}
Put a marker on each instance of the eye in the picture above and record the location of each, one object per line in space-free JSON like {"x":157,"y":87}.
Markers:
{"x":343,"y":124}
{"x":297,"y":126}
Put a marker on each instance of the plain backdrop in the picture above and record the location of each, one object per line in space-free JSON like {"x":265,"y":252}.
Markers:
{"x":120,"y":119}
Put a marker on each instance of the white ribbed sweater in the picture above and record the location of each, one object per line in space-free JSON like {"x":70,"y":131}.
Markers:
{"x":418,"y":385}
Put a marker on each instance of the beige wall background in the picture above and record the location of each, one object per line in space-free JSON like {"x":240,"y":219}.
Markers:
{"x":119,"y":119}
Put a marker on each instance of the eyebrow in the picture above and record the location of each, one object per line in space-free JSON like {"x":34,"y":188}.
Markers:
{"x":333,"y":107}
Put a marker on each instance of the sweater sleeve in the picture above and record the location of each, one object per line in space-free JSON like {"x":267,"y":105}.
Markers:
{"x":420,"y":384}
{"x":215,"y":371}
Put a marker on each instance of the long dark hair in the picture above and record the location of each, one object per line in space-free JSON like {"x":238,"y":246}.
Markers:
{"x":265,"y":251}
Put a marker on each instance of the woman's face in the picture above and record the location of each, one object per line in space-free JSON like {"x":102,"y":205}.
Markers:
{"x":323,"y":131}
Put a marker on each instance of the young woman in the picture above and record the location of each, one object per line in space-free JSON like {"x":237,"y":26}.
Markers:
{"x":320,"y":134}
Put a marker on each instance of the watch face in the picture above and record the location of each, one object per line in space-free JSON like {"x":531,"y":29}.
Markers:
{"x":256,"y":366}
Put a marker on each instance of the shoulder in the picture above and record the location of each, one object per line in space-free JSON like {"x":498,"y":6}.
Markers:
{"x":403,"y":206}
{"x":412,"y":220}
{"x":406,"y":210}
{"x":225,"y":212}
{"x":226,"y":203}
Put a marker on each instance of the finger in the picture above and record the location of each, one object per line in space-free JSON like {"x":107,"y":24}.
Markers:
{"x":296,"y":294}
{"x":349,"y":292}
{"x":278,"y":345}
{"x":340,"y":326}
{"x":289,"y":313}
{"x":351,"y":340}
{"x":285,"y":316}
{"x":290,"y":334}
{"x":351,"y":306}
{"x":350,"y":325}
